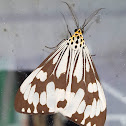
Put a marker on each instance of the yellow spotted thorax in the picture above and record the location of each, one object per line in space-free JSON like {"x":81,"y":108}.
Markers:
{"x":77,"y":40}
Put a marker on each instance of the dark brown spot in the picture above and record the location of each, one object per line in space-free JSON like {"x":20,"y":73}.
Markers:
{"x":61,"y":104}
{"x":77,"y":37}
{"x":79,"y":118}
{"x":73,"y":38}
{"x":80,"y":45}
{"x":75,"y":46}
{"x":77,"y":42}
{"x":43,"y":108}
{"x":67,"y":43}
{"x":71,"y":43}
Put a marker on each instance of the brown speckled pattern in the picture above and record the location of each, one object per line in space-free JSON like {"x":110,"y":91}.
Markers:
{"x":74,"y":45}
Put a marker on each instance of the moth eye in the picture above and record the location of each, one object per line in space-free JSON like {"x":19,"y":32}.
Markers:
{"x":75,"y":30}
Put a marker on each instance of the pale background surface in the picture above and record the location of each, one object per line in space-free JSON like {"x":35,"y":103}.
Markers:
{"x":27,"y":26}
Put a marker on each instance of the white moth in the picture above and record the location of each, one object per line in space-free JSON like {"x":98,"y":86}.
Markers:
{"x":66,"y":82}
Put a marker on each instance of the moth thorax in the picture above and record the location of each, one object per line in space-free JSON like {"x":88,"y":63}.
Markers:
{"x":76,"y":40}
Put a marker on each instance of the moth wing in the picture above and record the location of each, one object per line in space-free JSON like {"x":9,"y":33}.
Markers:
{"x":89,"y":98}
{"x":65,"y":82}
{"x":34,"y":95}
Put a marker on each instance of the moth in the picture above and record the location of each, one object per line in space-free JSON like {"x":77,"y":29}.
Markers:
{"x":66,"y":82}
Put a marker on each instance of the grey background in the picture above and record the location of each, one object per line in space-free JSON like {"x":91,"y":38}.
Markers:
{"x":27,"y":26}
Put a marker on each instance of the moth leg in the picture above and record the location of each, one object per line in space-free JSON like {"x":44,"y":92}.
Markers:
{"x":69,"y":31}
{"x":55,"y":46}
{"x":93,"y":55}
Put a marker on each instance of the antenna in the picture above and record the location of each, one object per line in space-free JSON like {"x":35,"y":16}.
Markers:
{"x":90,"y":18}
{"x":73,"y":15}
